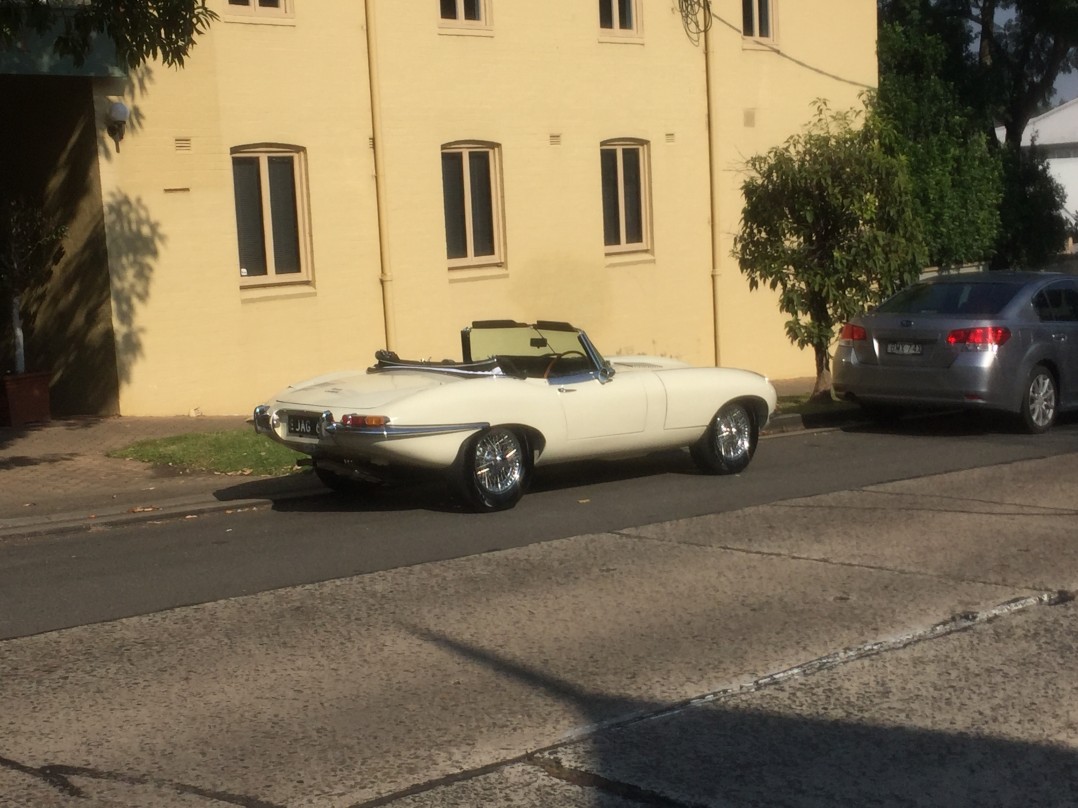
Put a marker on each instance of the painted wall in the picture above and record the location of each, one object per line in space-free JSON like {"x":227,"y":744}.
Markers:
{"x":548,"y":94}
{"x":762,"y":94}
{"x":190,"y":338}
{"x":1065,"y":172}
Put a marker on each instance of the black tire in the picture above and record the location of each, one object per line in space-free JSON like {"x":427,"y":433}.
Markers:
{"x":492,"y":470}
{"x":342,"y":483}
{"x":728,"y":443}
{"x":1040,"y":401}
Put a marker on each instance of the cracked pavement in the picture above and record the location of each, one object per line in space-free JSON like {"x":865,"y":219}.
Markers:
{"x":909,"y":643}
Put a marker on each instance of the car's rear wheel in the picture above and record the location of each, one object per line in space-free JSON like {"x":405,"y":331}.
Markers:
{"x":728,"y":443}
{"x":349,"y":485}
{"x":1040,"y":401}
{"x":491,"y":472}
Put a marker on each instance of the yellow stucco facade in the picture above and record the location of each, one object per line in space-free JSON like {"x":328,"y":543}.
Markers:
{"x":367,"y":97}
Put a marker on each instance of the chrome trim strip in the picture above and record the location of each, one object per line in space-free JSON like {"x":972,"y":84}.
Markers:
{"x":576,"y":378}
{"x":389,"y":431}
{"x":446,"y":369}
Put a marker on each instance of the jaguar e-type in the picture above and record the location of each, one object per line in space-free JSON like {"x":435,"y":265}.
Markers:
{"x":524,"y":395}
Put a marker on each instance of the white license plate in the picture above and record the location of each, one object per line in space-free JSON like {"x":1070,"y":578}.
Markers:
{"x":904,"y":348}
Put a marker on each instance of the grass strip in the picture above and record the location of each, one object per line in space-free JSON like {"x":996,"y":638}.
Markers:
{"x":239,"y":452}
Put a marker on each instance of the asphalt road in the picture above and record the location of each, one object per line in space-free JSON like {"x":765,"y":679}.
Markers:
{"x":862,"y":618}
{"x":73,"y":579}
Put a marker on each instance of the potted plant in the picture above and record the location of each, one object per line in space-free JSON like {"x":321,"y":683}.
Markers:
{"x":30,"y":245}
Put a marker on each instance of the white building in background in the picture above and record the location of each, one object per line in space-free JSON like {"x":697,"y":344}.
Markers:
{"x":1055,"y":133}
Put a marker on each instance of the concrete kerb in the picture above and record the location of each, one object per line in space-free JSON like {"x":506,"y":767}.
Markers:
{"x":281,"y":489}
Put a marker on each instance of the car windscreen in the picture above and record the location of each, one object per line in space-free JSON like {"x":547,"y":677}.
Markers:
{"x":969,"y":298}
{"x":518,"y":341}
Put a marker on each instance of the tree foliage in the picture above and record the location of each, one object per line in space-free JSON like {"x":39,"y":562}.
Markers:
{"x":829,"y":221}
{"x":1034,"y":229}
{"x":1022,"y":48}
{"x":955,"y":170}
{"x":30,"y":245}
{"x":141,"y":30}
{"x":1002,"y":59}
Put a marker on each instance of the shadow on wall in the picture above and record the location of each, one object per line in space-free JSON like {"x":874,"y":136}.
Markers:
{"x":80,"y":325}
{"x":134,"y":247}
{"x":49,"y":154}
{"x":87,"y":319}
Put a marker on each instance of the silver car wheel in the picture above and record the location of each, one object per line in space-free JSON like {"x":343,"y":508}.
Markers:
{"x":733,"y":434}
{"x":728,"y":443}
{"x":1039,"y":406}
{"x":498,"y":461}
{"x":492,"y":470}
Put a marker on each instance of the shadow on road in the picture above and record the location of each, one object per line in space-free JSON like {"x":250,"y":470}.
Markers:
{"x":949,"y":423}
{"x":301,"y":492}
{"x":723,"y":753}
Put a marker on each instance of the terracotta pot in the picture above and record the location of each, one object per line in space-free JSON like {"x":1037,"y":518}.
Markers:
{"x":27,"y":398}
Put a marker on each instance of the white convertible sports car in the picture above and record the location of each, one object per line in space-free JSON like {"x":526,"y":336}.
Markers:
{"x":524,"y":395}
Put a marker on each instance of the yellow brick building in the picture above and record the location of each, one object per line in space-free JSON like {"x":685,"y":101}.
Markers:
{"x":328,"y":177}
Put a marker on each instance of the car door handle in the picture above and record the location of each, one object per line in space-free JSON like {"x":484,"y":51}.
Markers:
{"x":566,"y":389}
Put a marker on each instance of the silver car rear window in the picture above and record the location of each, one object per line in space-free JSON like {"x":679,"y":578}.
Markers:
{"x":951,"y":298}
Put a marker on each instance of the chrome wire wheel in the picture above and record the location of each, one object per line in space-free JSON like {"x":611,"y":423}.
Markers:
{"x":498,"y":461}
{"x":733,"y":434}
{"x":492,"y":470}
{"x":728,"y":443}
{"x":1039,"y":404}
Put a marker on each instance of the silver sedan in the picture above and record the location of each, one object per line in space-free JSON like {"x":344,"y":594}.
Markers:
{"x":1003,"y":341}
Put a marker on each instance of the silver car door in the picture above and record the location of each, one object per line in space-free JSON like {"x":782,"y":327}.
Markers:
{"x":1057,"y":309}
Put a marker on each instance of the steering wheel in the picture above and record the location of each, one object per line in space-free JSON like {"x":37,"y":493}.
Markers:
{"x":556,"y":357}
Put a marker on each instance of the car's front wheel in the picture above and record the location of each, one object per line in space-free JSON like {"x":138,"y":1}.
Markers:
{"x":491,"y":472}
{"x":728,"y":443}
{"x":1039,"y":401}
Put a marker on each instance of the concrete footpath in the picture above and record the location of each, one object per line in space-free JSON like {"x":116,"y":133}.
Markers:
{"x":58,"y":476}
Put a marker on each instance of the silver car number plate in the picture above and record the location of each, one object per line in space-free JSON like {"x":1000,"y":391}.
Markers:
{"x":303,"y":425}
{"x":904,"y":348}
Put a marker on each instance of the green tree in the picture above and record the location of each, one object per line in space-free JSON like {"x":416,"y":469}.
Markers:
{"x":955,"y":170}
{"x":830,"y":222}
{"x":140,"y":30}
{"x":1022,"y":48}
{"x":1034,"y":228}
{"x":1003,"y":58}
{"x":30,"y":245}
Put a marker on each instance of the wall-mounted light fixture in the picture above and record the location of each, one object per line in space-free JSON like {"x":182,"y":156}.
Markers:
{"x":118,"y":115}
